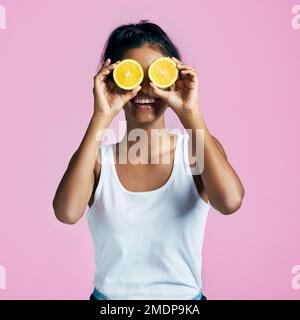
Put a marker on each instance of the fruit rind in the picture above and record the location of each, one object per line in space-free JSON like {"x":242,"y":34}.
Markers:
{"x":120,"y":85}
{"x":153,"y":80}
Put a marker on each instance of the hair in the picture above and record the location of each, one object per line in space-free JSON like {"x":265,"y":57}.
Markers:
{"x":136,"y":35}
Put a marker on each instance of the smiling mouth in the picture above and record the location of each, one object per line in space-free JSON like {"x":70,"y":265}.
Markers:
{"x":145,"y":103}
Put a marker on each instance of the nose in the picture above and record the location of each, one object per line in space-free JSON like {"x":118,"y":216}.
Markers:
{"x":146,"y":81}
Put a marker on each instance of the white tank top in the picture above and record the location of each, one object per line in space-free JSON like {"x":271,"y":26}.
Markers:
{"x":148,"y":245}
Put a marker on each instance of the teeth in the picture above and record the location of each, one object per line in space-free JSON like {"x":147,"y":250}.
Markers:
{"x":144,"y":100}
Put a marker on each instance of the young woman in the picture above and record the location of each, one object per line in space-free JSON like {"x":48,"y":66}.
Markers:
{"x":147,"y":219}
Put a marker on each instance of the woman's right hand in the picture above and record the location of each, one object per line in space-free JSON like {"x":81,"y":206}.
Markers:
{"x":107,"y":100}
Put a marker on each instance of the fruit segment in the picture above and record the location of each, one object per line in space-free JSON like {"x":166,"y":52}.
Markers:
{"x":163,"y":72}
{"x":128,"y":74}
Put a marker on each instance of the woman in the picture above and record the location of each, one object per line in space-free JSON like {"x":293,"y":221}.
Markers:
{"x":147,"y":219}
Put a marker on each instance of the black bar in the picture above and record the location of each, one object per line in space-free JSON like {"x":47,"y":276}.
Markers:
{"x":132,"y":309}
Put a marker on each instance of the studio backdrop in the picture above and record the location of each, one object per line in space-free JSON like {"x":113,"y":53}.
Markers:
{"x":247,"y":57}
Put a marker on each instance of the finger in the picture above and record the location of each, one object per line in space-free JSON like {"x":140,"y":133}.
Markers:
{"x":107,"y":62}
{"x":106,"y":65}
{"x":185,"y":66}
{"x":176,"y":60}
{"x":188,"y":71}
{"x":101,"y":76}
{"x":173,"y":88}
{"x":159,"y":92}
{"x":132,"y":93}
{"x":109,"y":67}
{"x":179,"y":85}
{"x":105,"y":70}
{"x":191,"y":74}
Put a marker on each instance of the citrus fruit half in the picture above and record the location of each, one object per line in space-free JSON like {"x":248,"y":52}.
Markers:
{"x":128,"y":74}
{"x":163,"y":72}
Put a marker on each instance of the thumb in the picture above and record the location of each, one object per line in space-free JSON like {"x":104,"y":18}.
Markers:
{"x":164,"y":95}
{"x":130,"y":94}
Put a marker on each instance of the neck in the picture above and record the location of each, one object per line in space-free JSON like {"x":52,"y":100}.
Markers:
{"x":154,"y":128}
{"x":148,"y":136}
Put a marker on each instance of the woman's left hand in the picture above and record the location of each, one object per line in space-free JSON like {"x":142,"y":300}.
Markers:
{"x":183,"y":94}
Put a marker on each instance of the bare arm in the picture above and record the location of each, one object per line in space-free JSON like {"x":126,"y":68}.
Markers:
{"x":222,"y":184}
{"x":76,"y":186}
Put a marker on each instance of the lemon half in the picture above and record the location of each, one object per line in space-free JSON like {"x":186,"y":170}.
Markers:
{"x":128,"y":74}
{"x":163,"y":72}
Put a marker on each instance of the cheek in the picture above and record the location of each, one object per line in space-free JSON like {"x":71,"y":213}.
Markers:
{"x":129,"y":108}
{"x":163,"y":105}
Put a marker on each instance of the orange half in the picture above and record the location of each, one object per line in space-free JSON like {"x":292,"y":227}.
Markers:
{"x":163,"y":72}
{"x":128,"y":74}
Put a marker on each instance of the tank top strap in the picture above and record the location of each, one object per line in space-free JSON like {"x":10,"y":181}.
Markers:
{"x":103,"y":159}
{"x":188,"y":170}
{"x":103,"y":154}
{"x":182,"y":167}
{"x":185,"y":156}
{"x":180,"y":150}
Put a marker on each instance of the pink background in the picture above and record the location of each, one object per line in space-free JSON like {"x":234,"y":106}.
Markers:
{"x":247,"y":57}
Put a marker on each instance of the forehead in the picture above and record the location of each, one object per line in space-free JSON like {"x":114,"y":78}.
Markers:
{"x":144,"y":55}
